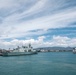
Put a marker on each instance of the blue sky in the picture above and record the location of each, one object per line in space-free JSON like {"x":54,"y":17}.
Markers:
{"x":39,"y":22}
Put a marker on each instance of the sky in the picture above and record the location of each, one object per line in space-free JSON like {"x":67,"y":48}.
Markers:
{"x":43,"y":23}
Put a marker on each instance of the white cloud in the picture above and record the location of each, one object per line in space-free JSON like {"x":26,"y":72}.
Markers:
{"x":40,"y":42}
{"x":5,"y":4}
{"x":38,"y":6}
{"x":16,"y":29}
{"x":34,"y":9}
{"x":12,"y":26}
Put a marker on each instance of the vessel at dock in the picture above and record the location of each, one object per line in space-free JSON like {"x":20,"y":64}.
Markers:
{"x":24,"y":50}
{"x":74,"y":50}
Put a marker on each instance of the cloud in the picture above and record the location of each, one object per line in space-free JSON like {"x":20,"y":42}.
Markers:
{"x":58,"y":41}
{"x":59,"y":20}
{"x":18,"y":18}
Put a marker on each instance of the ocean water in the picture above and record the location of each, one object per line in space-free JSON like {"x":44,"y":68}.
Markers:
{"x":51,"y":63}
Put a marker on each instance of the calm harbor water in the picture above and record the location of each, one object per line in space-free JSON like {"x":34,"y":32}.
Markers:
{"x":52,"y":63}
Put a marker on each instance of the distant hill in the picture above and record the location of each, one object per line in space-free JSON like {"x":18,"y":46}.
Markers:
{"x":55,"y":48}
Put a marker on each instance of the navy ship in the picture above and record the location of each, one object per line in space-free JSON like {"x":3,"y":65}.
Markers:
{"x":74,"y":50}
{"x":24,"y":50}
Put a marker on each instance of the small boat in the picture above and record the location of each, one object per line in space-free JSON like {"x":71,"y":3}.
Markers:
{"x":74,"y":50}
{"x":24,"y":50}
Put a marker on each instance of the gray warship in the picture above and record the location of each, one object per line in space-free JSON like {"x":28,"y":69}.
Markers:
{"x":24,"y":50}
{"x":74,"y":50}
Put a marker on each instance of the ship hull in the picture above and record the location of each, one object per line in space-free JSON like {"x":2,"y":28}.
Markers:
{"x":18,"y":53}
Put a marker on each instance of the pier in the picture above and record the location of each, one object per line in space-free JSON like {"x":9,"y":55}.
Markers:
{"x":42,"y":50}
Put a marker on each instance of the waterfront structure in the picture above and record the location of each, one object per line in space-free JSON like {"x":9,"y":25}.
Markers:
{"x":24,"y":50}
